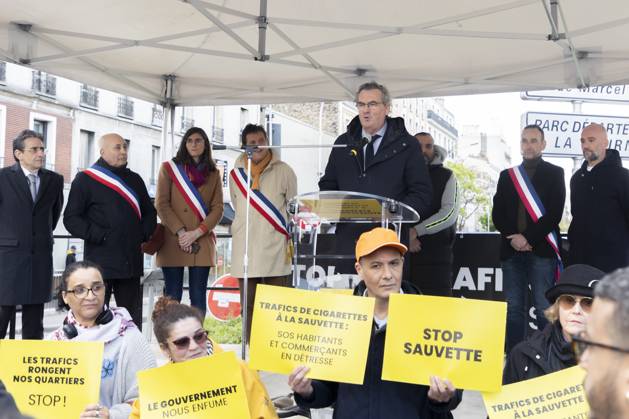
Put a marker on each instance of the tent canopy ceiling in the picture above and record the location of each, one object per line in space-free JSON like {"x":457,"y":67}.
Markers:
{"x":246,"y":51}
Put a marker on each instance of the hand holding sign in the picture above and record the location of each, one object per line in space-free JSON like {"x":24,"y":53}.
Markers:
{"x":299,"y":383}
{"x":440,"y":391}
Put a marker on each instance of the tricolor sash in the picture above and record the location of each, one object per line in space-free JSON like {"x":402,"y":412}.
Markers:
{"x":112,"y":181}
{"x":190,"y":193}
{"x":534,"y":207}
{"x":260,"y":202}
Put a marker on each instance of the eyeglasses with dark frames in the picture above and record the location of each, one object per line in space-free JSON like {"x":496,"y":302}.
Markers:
{"x":580,"y":345}
{"x":82,"y":292}
{"x":199,"y":337}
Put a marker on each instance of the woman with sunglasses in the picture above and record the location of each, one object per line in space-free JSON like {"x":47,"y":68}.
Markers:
{"x":181,"y":337}
{"x":550,"y":350}
{"x":125,"y":352}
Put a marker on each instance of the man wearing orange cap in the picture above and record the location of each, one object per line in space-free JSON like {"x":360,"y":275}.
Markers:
{"x":379,"y":261}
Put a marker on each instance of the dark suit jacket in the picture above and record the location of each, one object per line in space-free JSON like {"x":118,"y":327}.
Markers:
{"x":549,"y":183}
{"x":26,"y":235}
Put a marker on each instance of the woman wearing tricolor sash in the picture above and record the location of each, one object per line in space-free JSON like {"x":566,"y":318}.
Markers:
{"x":273,"y":184}
{"x":189,"y":202}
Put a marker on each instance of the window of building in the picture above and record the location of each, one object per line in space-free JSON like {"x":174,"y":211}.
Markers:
{"x":125,"y":107}
{"x":187,"y":121}
{"x":88,"y":149}
{"x":155,"y":160}
{"x":44,"y":84}
{"x":46,"y":126}
{"x":244,"y":118}
{"x":157,"y":119}
{"x":89,"y":97}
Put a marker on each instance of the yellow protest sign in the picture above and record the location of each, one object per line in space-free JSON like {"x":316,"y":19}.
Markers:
{"x":51,"y":380}
{"x":210,"y":387}
{"x":556,"y":395}
{"x":325,"y":331}
{"x":454,"y":338}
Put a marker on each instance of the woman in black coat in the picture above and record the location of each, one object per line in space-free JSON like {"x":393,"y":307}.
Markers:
{"x":549,"y":350}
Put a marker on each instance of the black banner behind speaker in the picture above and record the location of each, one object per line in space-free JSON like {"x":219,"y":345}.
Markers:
{"x":476,"y":269}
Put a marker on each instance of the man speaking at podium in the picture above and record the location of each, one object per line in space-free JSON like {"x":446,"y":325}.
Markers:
{"x":381,"y":158}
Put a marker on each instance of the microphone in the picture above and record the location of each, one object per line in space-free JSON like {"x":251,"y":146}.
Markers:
{"x":357,"y":146}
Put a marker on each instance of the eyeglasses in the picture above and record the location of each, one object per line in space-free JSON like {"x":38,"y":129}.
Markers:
{"x":199,"y":337}
{"x":35,"y":149}
{"x":82,"y":292}
{"x":568,"y":301}
{"x":580,"y":345}
{"x":370,"y":105}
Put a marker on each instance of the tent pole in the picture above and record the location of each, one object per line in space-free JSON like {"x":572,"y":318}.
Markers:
{"x":262,"y":25}
{"x":169,"y":112}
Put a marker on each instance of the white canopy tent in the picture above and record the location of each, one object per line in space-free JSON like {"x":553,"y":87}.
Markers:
{"x":198,"y":52}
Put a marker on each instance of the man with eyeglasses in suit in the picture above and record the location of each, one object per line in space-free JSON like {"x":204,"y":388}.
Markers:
{"x":31,"y":199}
{"x":603,"y":350}
{"x":380,"y":158}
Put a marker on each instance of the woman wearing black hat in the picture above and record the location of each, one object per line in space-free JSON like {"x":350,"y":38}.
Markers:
{"x":549,"y":350}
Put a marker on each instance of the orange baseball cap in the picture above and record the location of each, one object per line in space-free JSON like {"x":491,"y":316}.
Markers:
{"x":375,"y":239}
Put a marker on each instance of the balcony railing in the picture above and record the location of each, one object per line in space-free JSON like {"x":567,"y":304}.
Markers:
{"x":89,"y":97}
{"x":44,"y":84}
{"x":157,"y":120}
{"x":125,"y":107}
{"x":218,"y":135}
{"x":3,"y":72}
{"x":186,"y":123}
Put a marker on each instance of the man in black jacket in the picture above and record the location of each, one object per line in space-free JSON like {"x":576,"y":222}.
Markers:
{"x":599,"y":198}
{"x":31,"y":199}
{"x":380,"y":158}
{"x":432,"y":240}
{"x":379,"y":260}
{"x":109,"y":207}
{"x":526,"y":254}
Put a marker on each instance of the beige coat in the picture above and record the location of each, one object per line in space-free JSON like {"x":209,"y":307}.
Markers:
{"x":267,"y":247}
{"x":175,"y":214}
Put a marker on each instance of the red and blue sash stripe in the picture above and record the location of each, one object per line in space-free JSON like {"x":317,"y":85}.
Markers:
{"x":190,"y":193}
{"x":260,"y":202}
{"x":111,"y":180}
{"x":534,"y":207}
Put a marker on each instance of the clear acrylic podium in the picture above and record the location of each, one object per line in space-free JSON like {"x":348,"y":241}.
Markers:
{"x":314,"y":220}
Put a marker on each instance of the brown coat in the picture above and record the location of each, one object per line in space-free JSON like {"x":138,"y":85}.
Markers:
{"x":175,"y":214}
